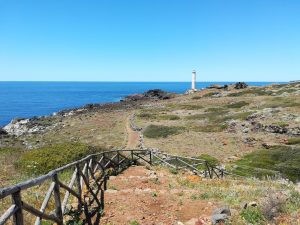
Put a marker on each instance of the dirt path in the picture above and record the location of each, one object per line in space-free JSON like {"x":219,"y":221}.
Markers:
{"x":153,"y":198}
{"x":132,"y":136}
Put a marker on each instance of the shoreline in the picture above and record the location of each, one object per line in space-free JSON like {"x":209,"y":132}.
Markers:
{"x":113,"y":104}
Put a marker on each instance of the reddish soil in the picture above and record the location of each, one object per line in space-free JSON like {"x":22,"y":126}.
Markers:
{"x":153,"y":198}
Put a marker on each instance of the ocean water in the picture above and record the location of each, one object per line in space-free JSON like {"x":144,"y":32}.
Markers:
{"x":28,"y":99}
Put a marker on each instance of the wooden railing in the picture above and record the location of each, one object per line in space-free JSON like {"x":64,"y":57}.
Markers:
{"x":198,"y":166}
{"x":87,"y":185}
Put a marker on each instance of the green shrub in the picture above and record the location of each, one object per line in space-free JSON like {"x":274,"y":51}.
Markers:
{"x":196,"y":97}
{"x":145,"y":115}
{"x":190,"y":107}
{"x":209,"y":94}
{"x":210,"y":159}
{"x":280,"y":159}
{"x":293,"y":141}
{"x":253,"y":91}
{"x":210,"y":128}
{"x":41,"y":161}
{"x":170,"y":117}
{"x":253,"y":215}
{"x":173,"y":170}
{"x":156,"y":131}
{"x":237,"y":105}
{"x":281,"y":124}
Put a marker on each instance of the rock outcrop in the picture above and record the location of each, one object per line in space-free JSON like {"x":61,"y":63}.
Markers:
{"x":155,"y":94}
{"x":240,"y":85}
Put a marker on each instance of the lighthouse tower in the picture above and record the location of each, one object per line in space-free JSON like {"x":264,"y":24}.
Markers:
{"x":194,"y":80}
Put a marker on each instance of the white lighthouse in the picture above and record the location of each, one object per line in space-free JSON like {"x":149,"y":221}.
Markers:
{"x":194,"y":80}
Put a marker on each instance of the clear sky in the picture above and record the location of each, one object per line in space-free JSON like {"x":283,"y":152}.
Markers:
{"x":150,"y":40}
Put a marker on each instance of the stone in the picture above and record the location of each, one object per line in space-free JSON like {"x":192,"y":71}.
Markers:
{"x":222,"y":210}
{"x":218,"y":218}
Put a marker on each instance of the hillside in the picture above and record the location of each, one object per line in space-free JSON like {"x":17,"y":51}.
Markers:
{"x":249,"y":131}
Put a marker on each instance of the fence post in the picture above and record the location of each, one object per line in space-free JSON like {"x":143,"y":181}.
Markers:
{"x":18,"y":215}
{"x":58,"y":210}
{"x":78,"y":181}
{"x":150,"y":157}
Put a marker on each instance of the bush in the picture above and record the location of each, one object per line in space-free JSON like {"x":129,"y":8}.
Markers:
{"x":41,"y":161}
{"x":253,"y":215}
{"x":156,"y":131}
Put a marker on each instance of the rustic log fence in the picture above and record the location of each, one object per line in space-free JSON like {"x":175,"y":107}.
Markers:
{"x":88,"y":183}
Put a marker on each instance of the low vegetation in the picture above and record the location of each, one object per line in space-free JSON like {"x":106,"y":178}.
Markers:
{"x":156,"y":131}
{"x":293,"y":141}
{"x":237,"y":105}
{"x":41,"y":161}
{"x":280,"y":160}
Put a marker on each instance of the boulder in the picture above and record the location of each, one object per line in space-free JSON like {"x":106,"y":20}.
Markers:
{"x":222,"y":210}
{"x":240,"y":85}
{"x":218,"y":218}
{"x":220,"y":215}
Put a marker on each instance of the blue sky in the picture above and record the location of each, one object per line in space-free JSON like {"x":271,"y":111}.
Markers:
{"x":150,"y":40}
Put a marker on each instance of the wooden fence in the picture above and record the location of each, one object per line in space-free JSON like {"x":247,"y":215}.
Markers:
{"x":88,"y":183}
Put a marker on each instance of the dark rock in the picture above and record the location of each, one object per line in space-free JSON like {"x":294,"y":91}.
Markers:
{"x":217,"y":86}
{"x":240,"y":85}
{"x":276,"y":129}
{"x":155,"y":94}
{"x":2,"y":132}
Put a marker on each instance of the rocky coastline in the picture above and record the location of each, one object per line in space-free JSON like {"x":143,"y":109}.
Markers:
{"x":41,"y":124}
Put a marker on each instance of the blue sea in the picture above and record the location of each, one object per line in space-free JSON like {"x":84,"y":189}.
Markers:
{"x":28,"y":99}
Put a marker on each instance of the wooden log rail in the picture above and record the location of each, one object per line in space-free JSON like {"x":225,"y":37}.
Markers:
{"x":86,"y":186}
{"x":198,"y":166}
{"x":88,"y":183}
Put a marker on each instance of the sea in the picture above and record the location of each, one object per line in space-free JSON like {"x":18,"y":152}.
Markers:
{"x":29,"y":99}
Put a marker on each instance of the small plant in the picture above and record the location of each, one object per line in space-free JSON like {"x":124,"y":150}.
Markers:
{"x":253,"y":215}
{"x":154,"y":194}
{"x":134,"y":222}
{"x":173,"y":170}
